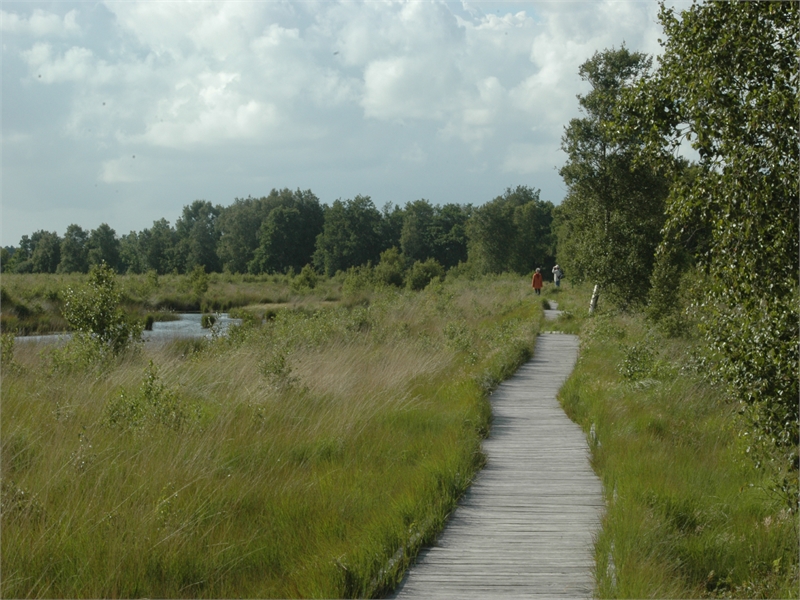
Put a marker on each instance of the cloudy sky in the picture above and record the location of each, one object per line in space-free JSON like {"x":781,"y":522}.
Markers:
{"x":123,"y":112}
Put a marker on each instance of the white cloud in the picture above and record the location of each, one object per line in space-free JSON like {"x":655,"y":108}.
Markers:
{"x":119,"y":170}
{"x":76,"y":64}
{"x":529,"y":158}
{"x":40,"y":23}
{"x":383,"y":96}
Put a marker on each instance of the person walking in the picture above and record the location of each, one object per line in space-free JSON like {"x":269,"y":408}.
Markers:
{"x":536,"y":284}
{"x":557,"y":275}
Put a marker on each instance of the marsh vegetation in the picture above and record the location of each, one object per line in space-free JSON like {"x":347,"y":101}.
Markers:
{"x":306,"y":454}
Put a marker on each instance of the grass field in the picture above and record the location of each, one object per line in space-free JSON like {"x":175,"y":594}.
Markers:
{"x":688,"y":515}
{"x":306,"y":457}
{"x":309,"y":454}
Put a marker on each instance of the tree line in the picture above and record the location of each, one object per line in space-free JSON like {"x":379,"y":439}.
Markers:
{"x":289,"y":230}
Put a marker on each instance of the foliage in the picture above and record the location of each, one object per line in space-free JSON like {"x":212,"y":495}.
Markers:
{"x":197,"y":237}
{"x":7,"y":351}
{"x":391,"y":269}
{"x":198,"y":280}
{"x":47,"y":253}
{"x":511,"y":233}
{"x":350,"y":236}
{"x":358,"y":279}
{"x":157,"y":247}
{"x":437,"y":232}
{"x":728,"y":82}
{"x":306,"y":280}
{"x":74,"y":251}
{"x":94,"y":311}
{"x":104,"y":247}
{"x":288,"y":235}
{"x":238,"y":226}
{"x":610,"y":221}
{"x":422,"y":273}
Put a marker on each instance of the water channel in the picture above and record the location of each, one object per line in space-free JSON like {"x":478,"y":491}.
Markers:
{"x":188,"y":325}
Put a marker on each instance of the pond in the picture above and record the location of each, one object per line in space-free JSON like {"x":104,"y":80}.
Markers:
{"x":188,"y":325}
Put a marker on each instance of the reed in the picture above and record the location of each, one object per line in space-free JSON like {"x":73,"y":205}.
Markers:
{"x":308,"y":456}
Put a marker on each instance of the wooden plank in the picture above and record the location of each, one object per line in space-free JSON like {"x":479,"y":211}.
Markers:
{"x":525,"y":527}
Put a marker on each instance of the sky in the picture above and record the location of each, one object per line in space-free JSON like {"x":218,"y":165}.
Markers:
{"x":123,"y":112}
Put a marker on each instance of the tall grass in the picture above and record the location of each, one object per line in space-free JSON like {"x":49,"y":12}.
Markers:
{"x":687,"y":515}
{"x":31,"y":303}
{"x":308,"y":457}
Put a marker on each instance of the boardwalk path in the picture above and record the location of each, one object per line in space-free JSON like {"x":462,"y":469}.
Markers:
{"x":525,"y":526}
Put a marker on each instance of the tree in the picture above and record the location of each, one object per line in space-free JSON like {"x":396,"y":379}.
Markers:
{"x":19,"y":261}
{"x":5,"y":257}
{"x":157,"y":246}
{"x":417,"y":234}
{"x":238,"y":226}
{"x":287,"y":236}
{"x":511,"y":233}
{"x":728,"y":82}
{"x":197,"y":237}
{"x":278,"y":251}
{"x":351,"y":236}
{"x":391,"y":228}
{"x":131,"y":259}
{"x":104,"y":247}
{"x":610,"y":221}
{"x":489,"y":232}
{"x":450,"y":234}
{"x":47,"y":252}
{"x":74,"y":251}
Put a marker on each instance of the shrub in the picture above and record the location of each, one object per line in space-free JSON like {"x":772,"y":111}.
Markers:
{"x":94,"y":311}
{"x":198,"y":279}
{"x":152,"y":403}
{"x":391,"y":269}
{"x":306,"y":280}
{"x":358,"y":279}
{"x":422,"y":273}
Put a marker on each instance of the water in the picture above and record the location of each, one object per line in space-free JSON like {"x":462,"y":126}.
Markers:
{"x":188,"y":325}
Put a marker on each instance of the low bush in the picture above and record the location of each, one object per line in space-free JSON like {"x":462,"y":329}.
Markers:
{"x":422,"y":273}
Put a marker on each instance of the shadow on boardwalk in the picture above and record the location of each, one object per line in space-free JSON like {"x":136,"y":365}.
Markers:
{"x":525,"y":527}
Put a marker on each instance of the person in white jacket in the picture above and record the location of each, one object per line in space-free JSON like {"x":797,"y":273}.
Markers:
{"x":557,"y":275}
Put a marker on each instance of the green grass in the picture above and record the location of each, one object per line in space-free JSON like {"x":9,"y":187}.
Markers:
{"x":307,"y":457}
{"x":687,"y":515}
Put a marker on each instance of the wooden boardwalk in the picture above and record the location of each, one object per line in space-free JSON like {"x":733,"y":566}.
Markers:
{"x":525,"y":527}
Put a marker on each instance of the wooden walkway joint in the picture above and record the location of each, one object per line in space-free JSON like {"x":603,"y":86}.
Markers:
{"x":525,"y":527}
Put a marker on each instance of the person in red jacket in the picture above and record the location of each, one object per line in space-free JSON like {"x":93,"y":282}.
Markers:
{"x":536,"y":284}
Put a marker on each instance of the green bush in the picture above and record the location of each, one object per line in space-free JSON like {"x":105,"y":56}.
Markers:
{"x":306,"y":280}
{"x":358,"y":279}
{"x":422,"y":273}
{"x":152,"y":403}
{"x":391,"y":269}
{"x":94,"y":311}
